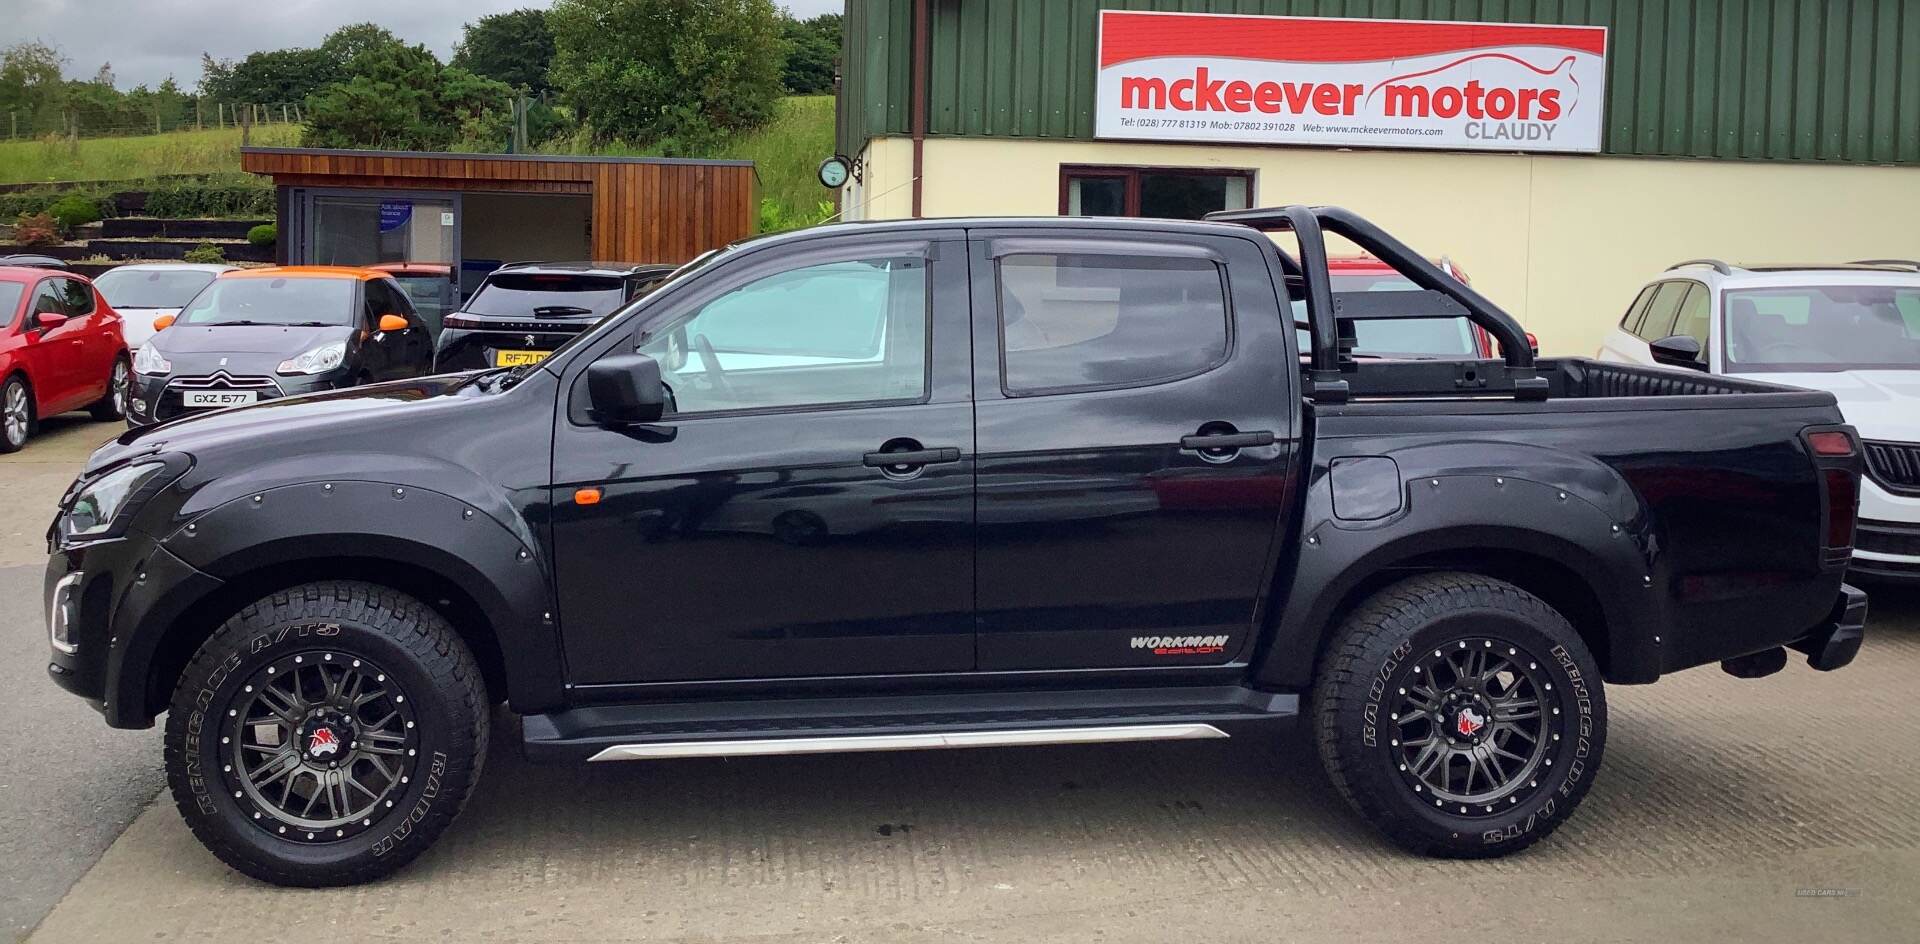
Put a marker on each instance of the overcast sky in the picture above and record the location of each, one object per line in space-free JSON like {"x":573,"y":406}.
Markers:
{"x":148,"y":40}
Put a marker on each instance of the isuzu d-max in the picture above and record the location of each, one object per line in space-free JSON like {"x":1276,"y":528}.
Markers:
{"x":943,"y":484}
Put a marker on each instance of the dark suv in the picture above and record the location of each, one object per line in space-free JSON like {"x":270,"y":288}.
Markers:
{"x":526,"y":310}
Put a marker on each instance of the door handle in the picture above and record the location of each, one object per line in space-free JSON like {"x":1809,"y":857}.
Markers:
{"x":912,"y":457}
{"x":1216,"y":442}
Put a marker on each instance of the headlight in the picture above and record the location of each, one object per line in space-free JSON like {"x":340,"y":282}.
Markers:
{"x":97,"y":505}
{"x":147,"y":360}
{"x":317,"y":361}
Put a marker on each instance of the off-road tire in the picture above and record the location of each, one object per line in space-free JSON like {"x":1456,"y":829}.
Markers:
{"x":119,"y":392}
{"x":346,"y":620}
{"x":1372,"y":657}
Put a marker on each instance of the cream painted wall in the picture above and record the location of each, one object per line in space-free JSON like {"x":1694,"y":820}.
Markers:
{"x":1562,"y":242}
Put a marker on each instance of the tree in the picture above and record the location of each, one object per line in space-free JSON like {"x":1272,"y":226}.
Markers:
{"x":348,"y":43}
{"x":679,"y":74}
{"x":814,"y":52}
{"x":282,"y":75}
{"x":515,"y":48}
{"x":30,"y":82}
{"x":402,"y":97}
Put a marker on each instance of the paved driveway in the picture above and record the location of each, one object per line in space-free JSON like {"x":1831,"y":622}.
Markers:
{"x":68,"y":784}
{"x":1785,"y":809}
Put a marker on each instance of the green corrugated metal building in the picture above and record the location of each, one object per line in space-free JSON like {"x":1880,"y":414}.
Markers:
{"x":1739,"y":129}
{"x":1827,"y":80}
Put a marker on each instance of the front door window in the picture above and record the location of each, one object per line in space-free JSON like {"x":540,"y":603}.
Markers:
{"x":839,"y":332}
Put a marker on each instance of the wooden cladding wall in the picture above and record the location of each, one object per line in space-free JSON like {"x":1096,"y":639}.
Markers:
{"x":643,"y":211}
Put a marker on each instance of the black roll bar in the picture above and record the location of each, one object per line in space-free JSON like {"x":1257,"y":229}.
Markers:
{"x":1324,"y":369}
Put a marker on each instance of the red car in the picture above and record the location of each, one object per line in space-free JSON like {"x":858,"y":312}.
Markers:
{"x":60,"y":350}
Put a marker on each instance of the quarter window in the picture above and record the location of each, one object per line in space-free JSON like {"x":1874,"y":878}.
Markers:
{"x":1072,"y":322}
{"x":1662,"y":310}
{"x":1638,"y":310}
{"x":836,"y":333}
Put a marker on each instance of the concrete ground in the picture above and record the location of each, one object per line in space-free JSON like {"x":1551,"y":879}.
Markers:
{"x":1785,"y":809}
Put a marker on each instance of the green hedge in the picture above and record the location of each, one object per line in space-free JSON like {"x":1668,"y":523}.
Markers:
{"x":236,"y":197}
{"x":228,"y":196}
{"x":266,"y":234}
{"x":74,"y":211}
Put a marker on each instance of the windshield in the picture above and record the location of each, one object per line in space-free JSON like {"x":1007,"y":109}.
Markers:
{"x":1823,"y":328}
{"x":1424,"y":337}
{"x":267,"y":301}
{"x":551,"y":295}
{"x":151,"y":288}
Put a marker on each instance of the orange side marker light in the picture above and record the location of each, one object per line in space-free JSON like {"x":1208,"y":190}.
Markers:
{"x":586,"y":496}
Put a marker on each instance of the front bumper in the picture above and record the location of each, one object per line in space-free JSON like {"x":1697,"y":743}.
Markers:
{"x":155,"y":401}
{"x":1886,"y":543}
{"x":128,"y":591}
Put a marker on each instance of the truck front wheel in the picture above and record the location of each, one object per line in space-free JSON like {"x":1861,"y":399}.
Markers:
{"x":327,"y":734}
{"x":1460,"y":714}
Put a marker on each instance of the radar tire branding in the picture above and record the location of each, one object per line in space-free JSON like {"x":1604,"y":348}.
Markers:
{"x":427,"y":660}
{"x":1367,"y":664}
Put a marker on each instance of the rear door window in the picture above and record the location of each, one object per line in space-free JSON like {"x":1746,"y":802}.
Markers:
{"x":10,"y":295}
{"x":548,"y":295}
{"x":1095,"y":321}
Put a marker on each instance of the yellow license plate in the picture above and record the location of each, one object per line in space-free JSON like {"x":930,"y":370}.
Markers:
{"x":518,"y":358}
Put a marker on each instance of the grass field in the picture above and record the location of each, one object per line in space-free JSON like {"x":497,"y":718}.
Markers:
{"x":786,"y":152}
{"x":154,"y":155}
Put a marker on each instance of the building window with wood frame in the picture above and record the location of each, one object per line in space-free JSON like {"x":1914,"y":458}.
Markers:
{"x":1176,"y":193}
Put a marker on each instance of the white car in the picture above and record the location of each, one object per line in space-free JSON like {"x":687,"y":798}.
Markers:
{"x":1852,"y":330}
{"x":144,"y":291}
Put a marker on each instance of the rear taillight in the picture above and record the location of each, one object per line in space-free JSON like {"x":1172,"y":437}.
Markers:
{"x":1831,"y":443}
{"x":1836,"y":452}
{"x":1843,"y":502}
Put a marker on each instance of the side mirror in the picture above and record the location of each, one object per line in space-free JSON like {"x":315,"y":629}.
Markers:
{"x":163,"y":322}
{"x":48,"y":320}
{"x":1677,"y":351}
{"x":626,"y":389}
{"x":393,"y":323}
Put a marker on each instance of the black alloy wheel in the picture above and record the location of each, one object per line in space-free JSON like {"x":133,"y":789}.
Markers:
{"x":1460,"y":714}
{"x":326,"y":734}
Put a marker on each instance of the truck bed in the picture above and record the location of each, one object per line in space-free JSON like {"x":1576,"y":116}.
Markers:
{"x":1570,"y":380}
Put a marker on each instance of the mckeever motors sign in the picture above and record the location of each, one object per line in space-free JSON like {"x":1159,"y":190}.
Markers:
{"x":1350,"y":82}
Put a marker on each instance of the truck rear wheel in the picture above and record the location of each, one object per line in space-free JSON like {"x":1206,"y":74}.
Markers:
{"x":327,"y":734}
{"x":1460,"y":714}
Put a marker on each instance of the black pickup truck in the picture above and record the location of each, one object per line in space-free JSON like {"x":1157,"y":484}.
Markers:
{"x":942,"y":484}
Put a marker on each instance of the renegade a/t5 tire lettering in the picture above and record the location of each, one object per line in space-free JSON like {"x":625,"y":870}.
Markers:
{"x":1460,"y":714}
{"x":327,"y":734}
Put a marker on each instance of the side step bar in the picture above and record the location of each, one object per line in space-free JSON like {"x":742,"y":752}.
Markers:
{"x":742,"y":727}
{"x":910,"y":742}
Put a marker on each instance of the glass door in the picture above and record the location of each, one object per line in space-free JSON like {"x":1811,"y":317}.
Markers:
{"x":368,"y":229}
